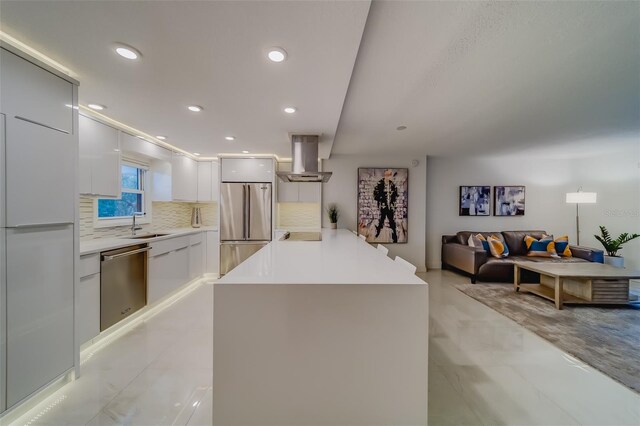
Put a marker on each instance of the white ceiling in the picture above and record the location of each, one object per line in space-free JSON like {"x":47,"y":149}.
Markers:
{"x":206,"y":53}
{"x":471,"y":78}
{"x":466,"y":78}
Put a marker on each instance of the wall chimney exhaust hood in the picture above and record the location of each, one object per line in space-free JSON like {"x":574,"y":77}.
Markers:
{"x":304,"y":161}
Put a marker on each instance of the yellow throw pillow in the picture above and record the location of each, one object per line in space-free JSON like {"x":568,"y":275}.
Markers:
{"x":497,"y":247}
{"x":562,"y":246}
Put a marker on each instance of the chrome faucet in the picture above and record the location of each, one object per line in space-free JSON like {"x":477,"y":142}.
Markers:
{"x":135,"y":228}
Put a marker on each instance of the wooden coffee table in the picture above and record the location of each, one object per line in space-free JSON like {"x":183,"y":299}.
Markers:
{"x":574,"y":283}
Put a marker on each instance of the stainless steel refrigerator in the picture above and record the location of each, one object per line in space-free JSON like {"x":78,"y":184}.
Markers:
{"x":245,"y":221}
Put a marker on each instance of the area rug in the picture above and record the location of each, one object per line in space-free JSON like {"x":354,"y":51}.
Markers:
{"x":606,"y":338}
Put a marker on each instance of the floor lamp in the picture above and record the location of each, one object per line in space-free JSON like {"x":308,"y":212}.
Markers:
{"x":578,"y":198}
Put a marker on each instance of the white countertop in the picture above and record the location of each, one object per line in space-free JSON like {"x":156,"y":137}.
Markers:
{"x":101,"y":244}
{"x":340,"y":258}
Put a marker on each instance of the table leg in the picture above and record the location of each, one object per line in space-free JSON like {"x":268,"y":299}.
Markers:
{"x":516,"y":277}
{"x":558,"y":288}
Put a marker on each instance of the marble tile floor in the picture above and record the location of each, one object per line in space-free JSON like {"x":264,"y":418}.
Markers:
{"x":484,"y":369}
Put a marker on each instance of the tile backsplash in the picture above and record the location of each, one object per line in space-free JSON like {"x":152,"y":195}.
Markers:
{"x":164,"y":215}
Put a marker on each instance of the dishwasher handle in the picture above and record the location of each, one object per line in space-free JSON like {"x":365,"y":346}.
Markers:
{"x":127,"y":253}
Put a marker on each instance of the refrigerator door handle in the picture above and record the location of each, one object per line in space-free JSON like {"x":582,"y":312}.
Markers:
{"x":245,"y":233}
{"x":248,"y":211}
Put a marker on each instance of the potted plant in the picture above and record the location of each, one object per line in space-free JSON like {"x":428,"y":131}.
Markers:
{"x":613,"y":246}
{"x":332,"y":212}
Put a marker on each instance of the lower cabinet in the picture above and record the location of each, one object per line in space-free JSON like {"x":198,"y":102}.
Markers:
{"x":212,"y":252}
{"x":88,"y":311}
{"x":168,"y":270}
{"x":196,"y":259}
{"x":39,"y":279}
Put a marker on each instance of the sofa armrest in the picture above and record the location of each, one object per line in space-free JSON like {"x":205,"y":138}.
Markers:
{"x":588,"y":253}
{"x":465,"y":258}
{"x":448,"y":239}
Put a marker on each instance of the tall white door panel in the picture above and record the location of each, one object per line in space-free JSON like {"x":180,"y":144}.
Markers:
{"x":39,"y":307}
{"x":3,"y":325}
{"x":2,"y":169}
{"x":35,"y":94}
{"x":40,"y":174}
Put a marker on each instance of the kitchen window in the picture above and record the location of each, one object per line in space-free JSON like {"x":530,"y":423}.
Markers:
{"x":132,"y":199}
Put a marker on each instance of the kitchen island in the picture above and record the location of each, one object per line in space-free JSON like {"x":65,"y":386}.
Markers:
{"x":329,"y":332}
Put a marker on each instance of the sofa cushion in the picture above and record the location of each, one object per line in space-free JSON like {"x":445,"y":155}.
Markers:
{"x":544,"y":247}
{"x":515,"y":240}
{"x":463,"y":236}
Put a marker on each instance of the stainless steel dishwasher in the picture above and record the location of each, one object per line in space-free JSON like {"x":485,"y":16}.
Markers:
{"x":123,"y":283}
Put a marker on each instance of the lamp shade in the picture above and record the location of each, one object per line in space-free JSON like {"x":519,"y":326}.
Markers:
{"x":581,"y":197}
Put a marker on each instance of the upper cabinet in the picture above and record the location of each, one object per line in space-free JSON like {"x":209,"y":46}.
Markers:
{"x":184,"y":178}
{"x":33,"y":94}
{"x":296,"y":192}
{"x":208,"y":185}
{"x":99,"y":158}
{"x":247,"y":170}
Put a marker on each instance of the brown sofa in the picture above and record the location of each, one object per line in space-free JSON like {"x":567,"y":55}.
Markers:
{"x":480,"y":265}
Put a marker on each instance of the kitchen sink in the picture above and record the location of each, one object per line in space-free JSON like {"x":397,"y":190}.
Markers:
{"x":145,"y":236}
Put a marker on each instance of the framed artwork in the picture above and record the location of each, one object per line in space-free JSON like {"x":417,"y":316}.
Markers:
{"x":508,"y":200}
{"x":383,"y":200}
{"x":475,"y":201}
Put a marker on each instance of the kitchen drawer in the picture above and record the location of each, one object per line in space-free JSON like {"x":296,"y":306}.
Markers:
{"x":195,"y":238}
{"x":171,"y":244}
{"x":89,"y":264}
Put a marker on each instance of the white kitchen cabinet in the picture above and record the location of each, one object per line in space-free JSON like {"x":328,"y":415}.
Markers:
{"x":34,"y":94}
{"x":40,"y":174}
{"x":294,"y":192}
{"x":3,"y":316}
{"x":195,"y":260}
{"x":212,"y":252}
{"x":87,"y":316}
{"x":184,"y":178}
{"x":40,"y":271}
{"x":208,"y":181}
{"x":160,"y":180}
{"x":99,"y":158}
{"x":205,"y":181}
{"x":247,"y":169}
{"x":168,"y":267}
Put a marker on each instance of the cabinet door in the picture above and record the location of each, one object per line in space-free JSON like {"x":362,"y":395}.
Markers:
{"x":39,"y":308}
{"x":167,"y":272}
{"x":309,"y":192}
{"x":88,"y":313}
{"x":288,"y":192}
{"x":3,"y":316}
{"x":99,"y":158}
{"x":247,"y":170}
{"x":212,"y":252}
{"x":204,"y":181}
{"x":215,"y":181}
{"x":2,"y":174}
{"x":195,"y":261}
{"x":40,"y":180}
{"x":184,"y":178}
{"x":35,"y":94}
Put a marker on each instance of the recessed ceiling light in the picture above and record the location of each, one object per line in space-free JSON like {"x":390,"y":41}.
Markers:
{"x":245,"y":152}
{"x":161,"y":137}
{"x":127,"y":52}
{"x":194,"y":108}
{"x":277,"y":54}
{"x":401,"y":127}
{"x":289,"y":110}
{"x":97,"y":107}
{"x":196,"y":153}
{"x":230,"y":138}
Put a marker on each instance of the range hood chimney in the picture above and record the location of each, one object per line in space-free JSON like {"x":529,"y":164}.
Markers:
{"x":304,"y":161}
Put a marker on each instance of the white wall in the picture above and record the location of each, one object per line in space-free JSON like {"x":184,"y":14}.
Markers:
{"x":613,"y":171}
{"x":342,"y":190}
